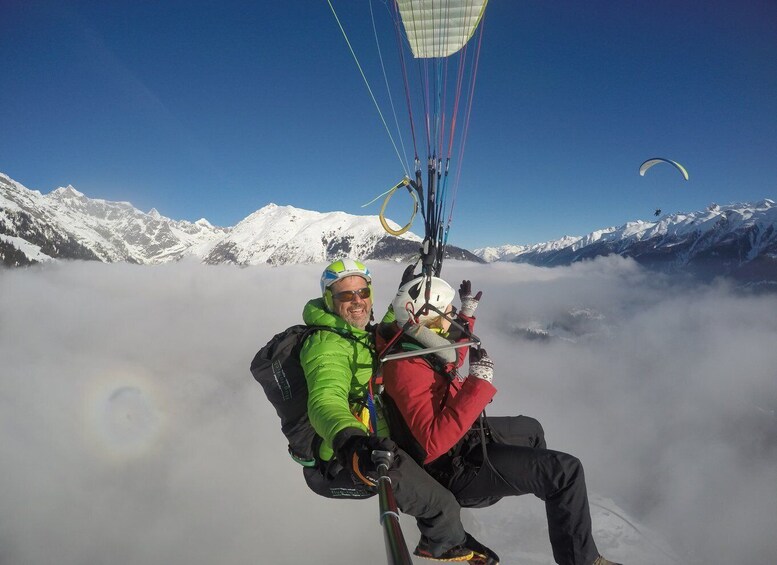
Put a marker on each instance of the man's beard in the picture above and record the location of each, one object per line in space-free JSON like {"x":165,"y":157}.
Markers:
{"x":358,"y":319}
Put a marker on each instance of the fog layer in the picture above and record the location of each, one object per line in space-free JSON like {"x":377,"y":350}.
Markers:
{"x":133,"y":433}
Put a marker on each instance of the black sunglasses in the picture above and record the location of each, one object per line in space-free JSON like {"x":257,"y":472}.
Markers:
{"x":350,"y":295}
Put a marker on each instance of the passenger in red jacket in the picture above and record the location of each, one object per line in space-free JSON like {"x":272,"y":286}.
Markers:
{"x":437,"y":416}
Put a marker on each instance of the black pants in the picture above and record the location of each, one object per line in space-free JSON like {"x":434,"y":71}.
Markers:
{"x":519,"y":463}
{"x":417,"y":493}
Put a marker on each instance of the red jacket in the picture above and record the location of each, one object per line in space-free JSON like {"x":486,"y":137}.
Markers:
{"x":419,"y":393}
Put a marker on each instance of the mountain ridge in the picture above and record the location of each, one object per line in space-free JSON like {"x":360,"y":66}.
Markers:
{"x":738,"y":239}
{"x":66,"y":224}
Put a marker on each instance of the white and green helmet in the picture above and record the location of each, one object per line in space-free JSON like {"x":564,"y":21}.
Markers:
{"x":339,"y":270}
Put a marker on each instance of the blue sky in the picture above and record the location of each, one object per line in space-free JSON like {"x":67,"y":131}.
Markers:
{"x":214,"y":109}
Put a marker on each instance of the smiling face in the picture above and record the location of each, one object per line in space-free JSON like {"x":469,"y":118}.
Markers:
{"x":356,"y":312}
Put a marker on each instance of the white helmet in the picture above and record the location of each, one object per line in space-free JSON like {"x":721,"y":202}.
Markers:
{"x":411,"y":297}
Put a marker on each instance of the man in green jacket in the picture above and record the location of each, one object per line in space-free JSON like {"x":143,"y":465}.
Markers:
{"x":339,"y":366}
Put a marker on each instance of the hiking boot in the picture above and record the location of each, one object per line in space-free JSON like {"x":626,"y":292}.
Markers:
{"x":602,"y":561}
{"x":456,"y":553}
{"x":481,"y":554}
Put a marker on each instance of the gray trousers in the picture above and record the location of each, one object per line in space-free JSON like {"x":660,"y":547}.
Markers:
{"x":418,"y":494}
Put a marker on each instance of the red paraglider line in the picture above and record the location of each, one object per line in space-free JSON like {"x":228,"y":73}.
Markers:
{"x":397,"y":23}
{"x":465,"y":134}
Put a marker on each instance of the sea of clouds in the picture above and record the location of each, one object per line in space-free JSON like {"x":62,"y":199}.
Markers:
{"x":133,"y":433}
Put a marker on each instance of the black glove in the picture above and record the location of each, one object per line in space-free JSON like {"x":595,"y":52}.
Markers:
{"x":407,"y":274}
{"x":481,"y":365}
{"x":469,"y":303}
{"x":356,"y":454}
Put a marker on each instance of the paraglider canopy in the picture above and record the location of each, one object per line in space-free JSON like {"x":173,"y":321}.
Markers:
{"x":643,"y":168}
{"x":440,"y":31}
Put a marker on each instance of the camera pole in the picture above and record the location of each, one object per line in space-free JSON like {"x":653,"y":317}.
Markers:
{"x":396,"y":549}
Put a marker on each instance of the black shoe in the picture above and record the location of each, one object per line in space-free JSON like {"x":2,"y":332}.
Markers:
{"x":456,"y":553}
{"x":481,"y":554}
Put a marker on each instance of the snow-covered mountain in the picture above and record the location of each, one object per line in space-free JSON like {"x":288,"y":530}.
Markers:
{"x":66,"y":224}
{"x":736,"y":239}
{"x":283,"y":234}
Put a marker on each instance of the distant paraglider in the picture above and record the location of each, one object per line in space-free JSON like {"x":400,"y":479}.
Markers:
{"x":643,"y":168}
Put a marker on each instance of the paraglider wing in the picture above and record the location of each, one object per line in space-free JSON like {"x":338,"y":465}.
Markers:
{"x":439,"y":29}
{"x":654,"y":161}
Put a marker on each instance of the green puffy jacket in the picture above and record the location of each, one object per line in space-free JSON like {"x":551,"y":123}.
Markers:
{"x":338,"y":371}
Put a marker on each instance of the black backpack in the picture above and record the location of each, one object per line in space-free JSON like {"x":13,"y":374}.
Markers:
{"x":277,"y":368}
